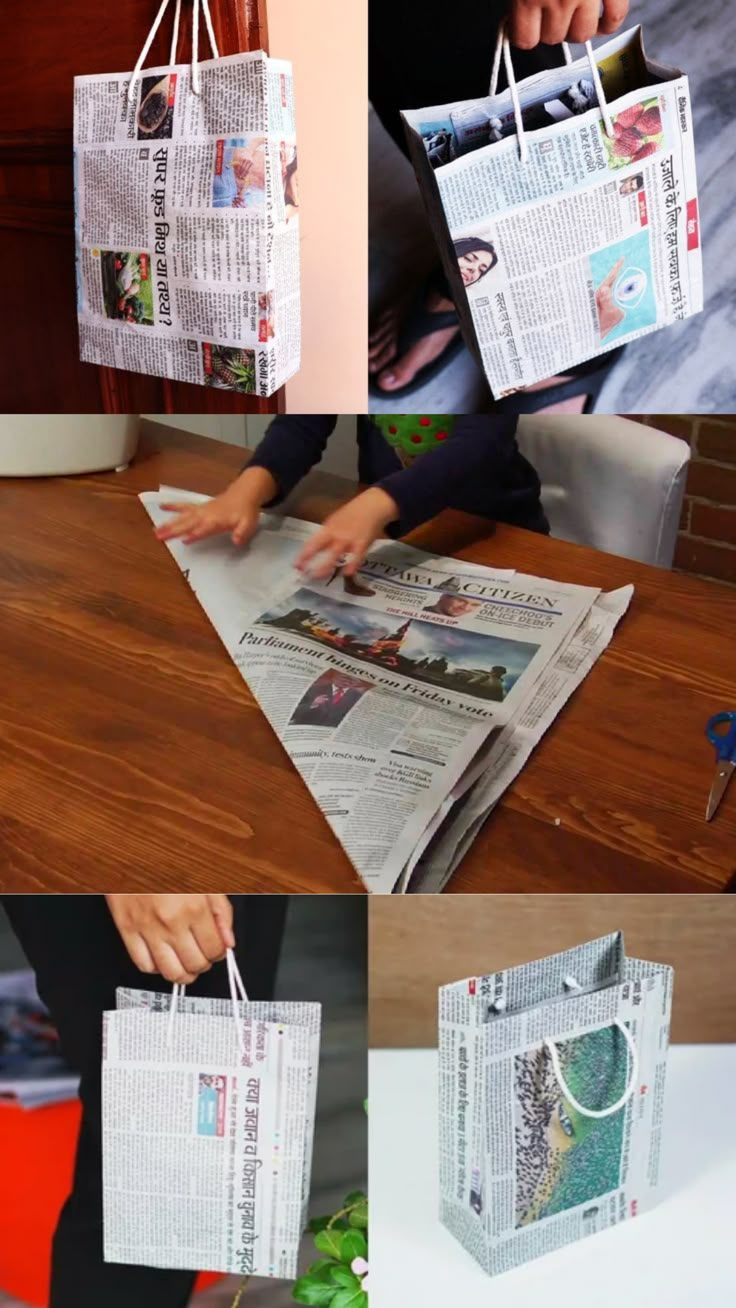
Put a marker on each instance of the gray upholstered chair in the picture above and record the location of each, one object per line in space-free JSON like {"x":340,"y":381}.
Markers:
{"x":608,"y":482}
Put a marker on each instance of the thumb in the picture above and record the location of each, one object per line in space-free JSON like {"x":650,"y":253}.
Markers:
{"x":222,"y":912}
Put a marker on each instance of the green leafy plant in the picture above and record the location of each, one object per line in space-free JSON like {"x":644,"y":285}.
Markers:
{"x":339,"y":1277}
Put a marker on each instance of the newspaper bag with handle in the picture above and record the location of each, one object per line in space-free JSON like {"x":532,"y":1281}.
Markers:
{"x":187,"y":218}
{"x":552,"y":1079}
{"x":565,"y":208}
{"x":208,"y":1112}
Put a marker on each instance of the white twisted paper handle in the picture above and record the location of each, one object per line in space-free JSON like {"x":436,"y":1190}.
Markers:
{"x":237,"y":991}
{"x":503,"y":48}
{"x":174,"y":42}
{"x":551,"y":1047}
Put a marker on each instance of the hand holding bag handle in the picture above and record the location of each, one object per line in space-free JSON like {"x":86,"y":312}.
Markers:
{"x":551,"y":1047}
{"x":503,"y":48}
{"x":174,"y":42}
{"x":237,"y":991}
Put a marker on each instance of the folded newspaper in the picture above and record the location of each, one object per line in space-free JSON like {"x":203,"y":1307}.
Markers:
{"x":207,"y":1147}
{"x":591,"y":242}
{"x":409,"y":702}
{"x":187,"y":231}
{"x":33,"y":1071}
{"x":552,"y":1080}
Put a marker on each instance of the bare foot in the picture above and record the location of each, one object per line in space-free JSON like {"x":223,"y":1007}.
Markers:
{"x":392,"y":373}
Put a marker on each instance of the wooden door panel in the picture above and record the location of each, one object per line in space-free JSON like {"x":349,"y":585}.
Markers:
{"x":40,"y":370}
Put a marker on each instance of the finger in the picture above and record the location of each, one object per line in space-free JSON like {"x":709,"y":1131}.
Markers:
{"x":173,"y":530}
{"x":139,"y":952}
{"x":243,"y":531}
{"x":201,"y":530}
{"x":525,"y":27}
{"x":192,"y":957}
{"x":357,"y":557}
{"x":328,"y":560}
{"x":169,"y":965}
{"x":317,"y":542}
{"x":554,"y":25}
{"x":222,"y":911}
{"x":614,"y":13}
{"x":584,"y":23}
{"x":208,"y":937}
{"x":181,"y":506}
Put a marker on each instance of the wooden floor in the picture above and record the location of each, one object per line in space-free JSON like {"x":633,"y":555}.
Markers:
{"x":327,"y":929}
{"x":691,"y":366}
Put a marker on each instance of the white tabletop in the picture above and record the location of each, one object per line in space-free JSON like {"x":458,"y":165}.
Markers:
{"x":681,"y":1254}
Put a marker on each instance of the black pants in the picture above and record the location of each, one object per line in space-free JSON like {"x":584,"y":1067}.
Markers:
{"x":78,"y":957}
{"x":427,"y":52}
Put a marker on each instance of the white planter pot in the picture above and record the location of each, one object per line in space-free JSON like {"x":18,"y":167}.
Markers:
{"x":53,"y":445}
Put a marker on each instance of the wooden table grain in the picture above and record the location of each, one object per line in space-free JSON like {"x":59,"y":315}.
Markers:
{"x":132,"y":756}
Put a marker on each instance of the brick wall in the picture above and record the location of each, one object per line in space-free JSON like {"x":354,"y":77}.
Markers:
{"x":707,"y":539}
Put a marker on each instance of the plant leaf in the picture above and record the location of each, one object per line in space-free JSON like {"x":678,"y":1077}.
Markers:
{"x":330,"y":1242}
{"x":350,"y":1299}
{"x":359,"y":1215}
{"x":318,"y":1224}
{"x":343,"y":1276}
{"x":354,"y":1245}
{"x":357,"y":1196}
{"x":310,"y":1291}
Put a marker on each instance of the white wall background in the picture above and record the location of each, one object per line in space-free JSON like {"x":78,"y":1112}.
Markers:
{"x":230,"y":427}
{"x":341,"y":457}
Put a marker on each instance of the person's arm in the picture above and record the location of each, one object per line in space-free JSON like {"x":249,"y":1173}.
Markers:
{"x":178,"y":936}
{"x":478,"y":451}
{"x":553,"y":21}
{"x":290,"y":447}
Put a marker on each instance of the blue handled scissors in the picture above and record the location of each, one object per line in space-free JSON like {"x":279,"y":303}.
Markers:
{"x":725,"y":743}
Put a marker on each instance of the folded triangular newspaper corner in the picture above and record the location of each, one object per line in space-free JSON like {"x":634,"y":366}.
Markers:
{"x":408,"y":698}
{"x":208,"y":1131}
{"x":552,"y":1085}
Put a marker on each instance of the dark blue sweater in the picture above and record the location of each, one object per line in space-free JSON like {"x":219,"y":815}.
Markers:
{"x":480,"y":469}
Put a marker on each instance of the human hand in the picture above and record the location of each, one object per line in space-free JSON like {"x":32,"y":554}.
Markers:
{"x":609,"y":313}
{"x":178,"y":936}
{"x":552,"y":21}
{"x":235,"y":510}
{"x":350,"y":530}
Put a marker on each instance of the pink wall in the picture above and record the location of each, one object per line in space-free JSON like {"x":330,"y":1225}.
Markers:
{"x":326,"y":41}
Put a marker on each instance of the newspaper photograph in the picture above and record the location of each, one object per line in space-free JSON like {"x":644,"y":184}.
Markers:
{"x":523,"y":1171}
{"x":187,"y":223}
{"x":392,"y":691}
{"x":206,"y":1151}
{"x":593,"y":241}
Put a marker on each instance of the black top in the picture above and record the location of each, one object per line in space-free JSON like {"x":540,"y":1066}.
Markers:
{"x":480,"y":469}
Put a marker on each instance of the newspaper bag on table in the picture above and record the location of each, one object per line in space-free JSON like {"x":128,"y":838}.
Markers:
{"x":552,"y":1081}
{"x":187,"y":221}
{"x":565,"y":209}
{"x":208,"y":1112}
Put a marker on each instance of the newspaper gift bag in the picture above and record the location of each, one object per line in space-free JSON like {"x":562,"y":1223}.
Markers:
{"x":187,"y":220}
{"x":208,"y":1120}
{"x":565,"y":209}
{"x":551,"y":1100}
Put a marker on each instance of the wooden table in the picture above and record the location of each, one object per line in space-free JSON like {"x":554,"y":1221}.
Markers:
{"x":133,"y":757}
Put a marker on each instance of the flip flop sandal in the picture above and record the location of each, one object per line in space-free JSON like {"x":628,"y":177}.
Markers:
{"x":585,"y":379}
{"x":421,"y":322}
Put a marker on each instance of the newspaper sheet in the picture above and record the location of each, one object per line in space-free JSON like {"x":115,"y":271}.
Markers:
{"x":594,"y":241}
{"x":187,"y":223}
{"x":206,"y":1162}
{"x":522,"y":1172}
{"x":449,"y":838}
{"x":385,"y":698}
{"x":33,"y":1072}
